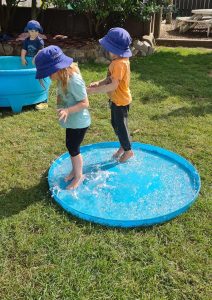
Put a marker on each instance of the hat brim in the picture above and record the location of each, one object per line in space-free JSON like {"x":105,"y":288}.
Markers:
{"x":111,"y":48}
{"x":39,"y":29}
{"x":43,"y":73}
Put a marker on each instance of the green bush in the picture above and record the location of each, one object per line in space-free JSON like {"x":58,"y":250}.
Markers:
{"x":99,"y":12}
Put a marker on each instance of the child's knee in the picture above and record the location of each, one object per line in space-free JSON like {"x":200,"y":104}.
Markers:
{"x":73,"y":152}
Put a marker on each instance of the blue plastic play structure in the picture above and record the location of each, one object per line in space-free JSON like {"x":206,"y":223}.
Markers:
{"x":18,"y":86}
{"x":155,"y":186}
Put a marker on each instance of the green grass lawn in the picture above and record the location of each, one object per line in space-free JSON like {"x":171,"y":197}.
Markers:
{"x":47,"y":254}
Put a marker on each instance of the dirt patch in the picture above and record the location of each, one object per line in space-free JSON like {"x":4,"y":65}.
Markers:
{"x":59,"y":40}
{"x":199,"y":32}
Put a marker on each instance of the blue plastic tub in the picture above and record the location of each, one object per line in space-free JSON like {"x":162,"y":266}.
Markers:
{"x":18,"y":86}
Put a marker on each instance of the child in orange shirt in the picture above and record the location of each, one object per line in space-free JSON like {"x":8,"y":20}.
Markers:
{"x":116,"y":85}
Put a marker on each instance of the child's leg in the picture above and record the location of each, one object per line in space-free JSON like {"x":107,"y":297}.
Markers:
{"x":120,"y":151}
{"x":69,"y":138}
{"x":119,"y":120}
{"x":70,"y":176}
{"x":113,"y":117}
{"x":77,"y":163}
{"x":126,"y":155}
{"x":74,"y":138}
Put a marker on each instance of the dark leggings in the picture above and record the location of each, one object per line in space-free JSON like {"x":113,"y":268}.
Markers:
{"x":74,"y":138}
{"x":119,"y":121}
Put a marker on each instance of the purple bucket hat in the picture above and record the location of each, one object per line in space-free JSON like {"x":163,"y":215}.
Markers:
{"x":117,"y":41}
{"x":49,"y":60}
{"x":33,"y":25}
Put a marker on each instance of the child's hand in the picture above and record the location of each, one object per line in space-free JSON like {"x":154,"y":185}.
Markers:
{"x":94,"y":84}
{"x":63,"y":114}
{"x":24,"y":61}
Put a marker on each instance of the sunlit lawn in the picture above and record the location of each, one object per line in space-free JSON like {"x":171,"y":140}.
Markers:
{"x":48,"y":254}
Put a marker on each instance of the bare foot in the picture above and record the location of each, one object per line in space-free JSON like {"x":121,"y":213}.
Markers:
{"x":75,"y":183}
{"x":126,"y":156}
{"x":69,"y":177}
{"x":118,"y":153}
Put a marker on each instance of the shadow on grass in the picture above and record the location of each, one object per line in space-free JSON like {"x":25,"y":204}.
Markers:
{"x":7,"y":111}
{"x":170,"y":74}
{"x":179,"y":75}
{"x":18,"y":199}
{"x":196,"y":111}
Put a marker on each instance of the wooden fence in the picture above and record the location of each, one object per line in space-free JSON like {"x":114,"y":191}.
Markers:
{"x":184,"y":7}
{"x":65,"y":22}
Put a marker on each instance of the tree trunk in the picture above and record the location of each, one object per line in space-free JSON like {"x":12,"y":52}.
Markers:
{"x":158,"y":20}
{"x":7,"y":13}
{"x":5,"y":18}
{"x":34,"y":10}
{"x":90,"y":23}
{"x":1,"y":15}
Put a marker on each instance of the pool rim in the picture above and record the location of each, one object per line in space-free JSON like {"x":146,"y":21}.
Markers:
{"x":16,"y":71}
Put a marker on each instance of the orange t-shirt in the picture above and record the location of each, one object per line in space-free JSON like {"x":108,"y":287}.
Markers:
{"x":119,"y":69}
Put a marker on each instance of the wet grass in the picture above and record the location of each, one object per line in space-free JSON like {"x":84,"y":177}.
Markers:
{"x":48,"y":254}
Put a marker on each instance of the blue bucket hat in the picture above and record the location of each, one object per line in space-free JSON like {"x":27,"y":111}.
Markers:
{"x":117,"y":41}
{"x":49,"y":60}
{"x":33,"y":25}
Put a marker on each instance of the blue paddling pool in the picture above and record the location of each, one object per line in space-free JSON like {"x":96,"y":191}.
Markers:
{"x":154,"y":186}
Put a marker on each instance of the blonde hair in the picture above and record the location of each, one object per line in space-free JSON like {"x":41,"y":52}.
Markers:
{"x":65,"y":74}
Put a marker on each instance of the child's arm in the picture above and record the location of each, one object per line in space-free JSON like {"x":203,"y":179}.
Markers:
{"x":104,"y":81}
{"x":105,"y":88}
{"x":63,"y":113}
{"x":41,"y":44}
{"x":23,"y":55}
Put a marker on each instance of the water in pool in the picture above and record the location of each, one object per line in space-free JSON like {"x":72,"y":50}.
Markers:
{"x":147,"y":186}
